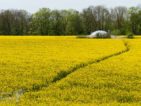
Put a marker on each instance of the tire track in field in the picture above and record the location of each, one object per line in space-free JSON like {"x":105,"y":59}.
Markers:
{"x":60,"y":76}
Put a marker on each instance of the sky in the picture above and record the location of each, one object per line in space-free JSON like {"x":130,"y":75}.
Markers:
{"x":34,"y":5}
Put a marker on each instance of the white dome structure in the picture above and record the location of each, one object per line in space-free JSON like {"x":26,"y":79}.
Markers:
{"x":99,"y":34}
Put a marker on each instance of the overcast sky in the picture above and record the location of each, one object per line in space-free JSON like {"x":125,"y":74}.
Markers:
{"x":34,"y":5}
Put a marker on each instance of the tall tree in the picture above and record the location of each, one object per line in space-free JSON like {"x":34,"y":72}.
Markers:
{"x":119,"y":17}
{"x":41,"y":22}
{"x":6,"y":18}
{"x":89,"y":20}
{"x":102,"y":17}
{"x":74,"y":23}
{"x":96,"y":18}
{"x":135,"y":16}
{"x":14,"y":22}
{"x":56,"y":20}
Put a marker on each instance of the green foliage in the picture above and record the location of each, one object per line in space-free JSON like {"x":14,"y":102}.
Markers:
{"x":135,"y":16}
{"x":119,"y":21}
{"x":14,"y":22}
{"x":116,"y":32}
{"x":130,"y":36}
{"x":74,"y":24}
{"x":41,"y":22}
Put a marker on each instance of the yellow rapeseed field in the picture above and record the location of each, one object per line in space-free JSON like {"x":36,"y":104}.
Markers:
{"x":113,"y":82}
{"x":69,"y":71}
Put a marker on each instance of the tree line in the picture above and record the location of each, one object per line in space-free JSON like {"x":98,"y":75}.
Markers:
{"x":119,"y":20}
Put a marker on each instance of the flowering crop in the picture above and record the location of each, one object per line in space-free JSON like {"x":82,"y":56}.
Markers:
{"x":113,"y":82}
{"x":32,"y":63}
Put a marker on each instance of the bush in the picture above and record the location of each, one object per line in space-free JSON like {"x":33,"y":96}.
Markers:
{"x":130,"y":36}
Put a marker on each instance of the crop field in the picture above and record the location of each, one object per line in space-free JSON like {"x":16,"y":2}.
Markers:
{"x":66,"y":71}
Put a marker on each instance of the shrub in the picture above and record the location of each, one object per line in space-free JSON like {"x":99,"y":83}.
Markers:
{"x":130,"y":36}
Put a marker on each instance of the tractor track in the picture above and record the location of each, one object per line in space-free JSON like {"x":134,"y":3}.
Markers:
{"x":60,"y":76}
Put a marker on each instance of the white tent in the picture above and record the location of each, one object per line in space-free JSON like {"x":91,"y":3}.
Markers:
{"x":99,"y":33}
